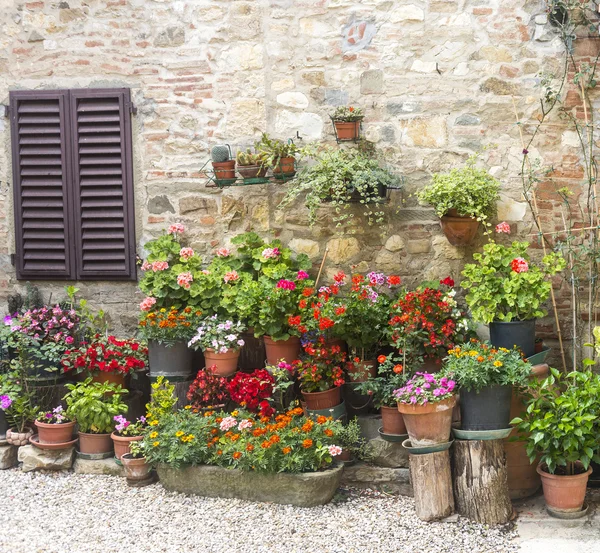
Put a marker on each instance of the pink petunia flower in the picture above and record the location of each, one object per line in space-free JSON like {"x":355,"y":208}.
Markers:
{"x":519,"y":265}
{"x":147,"y":303}
{"x":184,"y":280}
{"x":503,"y":227}
{"x":186,"y":253}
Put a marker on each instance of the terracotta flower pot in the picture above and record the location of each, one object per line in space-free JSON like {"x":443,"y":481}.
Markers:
{"x":345,"y":455}
{"x":431,"y":365}
{"x":276,"y":350}
{"x":362,"y":371}
{"x":328,"y":399}
{"x":18,"y":438}
{"x":428,"y":424}
{"x":564,"y":494}
{"x":226,"y":363}
{"x":135,"y":468}
{"x":122,"y":443}
{"x":459,"y":230}
{"x":55,"y":433}
{"x":224,"y":170}
{"x":252,"y":171}
{"x":347,"y":130}
{"x":285,"y":166}
{"x":95,"y":443}
{"x":392,"y":421}
{"x":110,"y":377}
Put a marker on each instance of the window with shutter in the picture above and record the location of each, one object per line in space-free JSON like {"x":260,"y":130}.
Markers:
{"x":86,"y":171}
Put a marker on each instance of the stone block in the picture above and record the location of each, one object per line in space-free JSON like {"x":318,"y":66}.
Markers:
{"x":245,"y":118}
{"x":170,"y":37}
{"x":494,"y":54}
{"x":302,"y":245}
{"x":402,"y":108}
{"x":394,"y":243}
{"x":410,"y":12}
{"x":371,"y":82}
{"x":427,"y":132}
{"x":8,"y":456}
{"x":160,"y":204}
{"x":467,"y":119}
{"x":421,"y":66}
{"x":342,"y":250}
{"x":107,"y":467}
{"x":418,"y":246}
{"x":388,"y":454}
{"x":389,"y":480}
{"x":196,"y":205}
{"x":293,"y":100}
{"x":334,"y":97}
{"x":499,"y":87}
{"x":34,"y":458}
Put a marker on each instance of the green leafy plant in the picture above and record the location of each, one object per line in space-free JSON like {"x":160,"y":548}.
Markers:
{"x":505,"y":285}
{"x":470,"y":190}
{"x":137,"y":449}
{"x":391,"y":375}
{"x":347,"y":114}
{"x":250,"y":158}
{"x":94,"y":405}
{"x":162,"y":400}
{"x":562,"y":421}
{"x":273,"y":150}
{"x":477,"y":365}
{"x":349,"y":437}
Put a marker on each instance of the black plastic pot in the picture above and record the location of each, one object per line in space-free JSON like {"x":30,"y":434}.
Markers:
{"x":3,"y":425}
{"x":488,"y":409}
{"x":170,"y":361}
{"x":356,"y":403}
{"x":514,"y":333}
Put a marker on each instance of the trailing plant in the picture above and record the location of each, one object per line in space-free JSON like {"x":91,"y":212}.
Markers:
{"x":347,"y":114}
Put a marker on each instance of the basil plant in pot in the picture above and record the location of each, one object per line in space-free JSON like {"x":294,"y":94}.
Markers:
{"x":507,"y":290}
{"x":561,"y":426}
{"x":463,"y":198}
{"x":485,"y":377}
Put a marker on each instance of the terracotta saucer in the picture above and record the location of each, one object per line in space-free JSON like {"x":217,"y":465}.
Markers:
{"x":65,"y":445}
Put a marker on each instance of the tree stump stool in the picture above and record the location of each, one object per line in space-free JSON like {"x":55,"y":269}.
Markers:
{"x":480,"y":481}
{"x":432,"y":485}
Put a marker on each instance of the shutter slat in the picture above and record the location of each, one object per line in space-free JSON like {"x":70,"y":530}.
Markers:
{"x":100,"y":150}
{"x":109,"y":192}
{"x":39,"y":120}
{"x":99,"y":129}
{"x":91,"y":105}
{"x":40,"y":140}
{"x":94,"y":160}
{"x":32,"y":106}
{"x":98,"y":118}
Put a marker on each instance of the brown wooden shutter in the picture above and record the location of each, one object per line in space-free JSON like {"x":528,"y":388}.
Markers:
{"x":103,"y":184}
{"x":41,"y":173}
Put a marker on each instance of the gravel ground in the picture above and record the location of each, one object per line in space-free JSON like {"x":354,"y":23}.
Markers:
{"x":68,"y":513}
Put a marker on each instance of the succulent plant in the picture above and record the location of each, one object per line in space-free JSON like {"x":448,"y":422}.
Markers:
{"x":250,"y":158}
{"x":220,"y":153}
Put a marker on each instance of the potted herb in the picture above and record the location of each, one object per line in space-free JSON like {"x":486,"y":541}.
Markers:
{"x":54,"y":427}
{"x":223,"y":165}
{"x":341,"y":178}
{"x":390,"y":376}
{"x":279,"y":155}
{"x":485,"y":377}
{"x":463,"y":198}
{"x":208,"y":390}
{"x":94,"y":405}
{"x":507,"y":290}
{"x":135,"y":465}
{"x":347,"y":120}
{"x":220,"y":340}
{"x":251,"y":165}
{"x":125,"y":433}
{"x":426,"y":402}
{"x":561,"y":428}
{"x":354,"y":446}
{"x":252,"y":391}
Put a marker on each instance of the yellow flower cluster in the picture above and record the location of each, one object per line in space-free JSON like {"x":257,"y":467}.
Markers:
{"x":187,"y":438}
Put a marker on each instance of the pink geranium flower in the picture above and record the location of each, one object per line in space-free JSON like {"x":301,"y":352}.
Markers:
{"x":147,"y":303}
{"x":176,"y":228}
{"x":302,"y":275}
{"x":223,"y":252}
{"x":146,"y":266}
{"x":231,"y":276}
{"x":186,"y":253}
{"x":160,"y":266}
{"x":519,"y":265}
{"x":271,"y":253}
{"x":184,"y":280}
{"x":503,"y":227}
{"x":286,"y":284}
{"x":334,"y":450}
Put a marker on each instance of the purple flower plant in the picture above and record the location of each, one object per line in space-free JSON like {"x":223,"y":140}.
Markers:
{"x":5,"y":402}
{"x":424,"y":388}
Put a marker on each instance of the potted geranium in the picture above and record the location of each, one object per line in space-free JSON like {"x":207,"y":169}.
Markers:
{"x":135,"y":465}
{"x":346,"y":120}
{"x":54,"y":427}
{"x":561,"y":429}
{"x":426,"y":402}
{"x":463,"y":198}
{"x":252,"y":391}
{"x":125,"y":433}
{"x":208,"y":390}
{"x":94,"y":405}
{"x":106,"y":358}
{"x":485,"y":377}
{"x":279,"y":155}
{"x":220,"y":340}
{"x":507,"y":290}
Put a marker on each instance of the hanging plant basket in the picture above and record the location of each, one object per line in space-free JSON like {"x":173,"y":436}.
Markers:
{"x":347,"y":131}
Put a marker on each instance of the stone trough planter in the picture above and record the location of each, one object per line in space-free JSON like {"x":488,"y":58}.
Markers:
{"x":303,"y":490}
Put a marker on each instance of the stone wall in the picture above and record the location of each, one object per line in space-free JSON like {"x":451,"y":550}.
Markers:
{"x":435,"y":78}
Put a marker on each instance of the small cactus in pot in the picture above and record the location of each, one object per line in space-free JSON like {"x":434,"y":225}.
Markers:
{"x":223,"y":165}
{"x":251,"y":164}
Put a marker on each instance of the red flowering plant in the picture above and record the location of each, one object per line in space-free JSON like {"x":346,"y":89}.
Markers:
{"x":322,"y":367}
{"x":253,"y":390}
{"x":106,"y":354}
{"x":425,"y":323}
{"x":208,"y":389}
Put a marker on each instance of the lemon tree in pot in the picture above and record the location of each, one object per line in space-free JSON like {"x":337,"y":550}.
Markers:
{"x":463,"y":198}
{"x":94,"y":405}
{"x":562,"y":424}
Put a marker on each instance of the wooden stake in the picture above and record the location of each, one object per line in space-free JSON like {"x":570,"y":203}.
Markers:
{"x":573,"y":297}
{"x":321,"y":268}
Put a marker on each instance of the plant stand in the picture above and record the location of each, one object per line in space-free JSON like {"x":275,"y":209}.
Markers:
{"x":432,"y":485}
{"x":480,"y":481}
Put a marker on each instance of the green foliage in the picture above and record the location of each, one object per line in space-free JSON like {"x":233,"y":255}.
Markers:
{"x":219,"y":154}
{"x":94,"y":405}
{"x":21,"y":411}
{"x":478,"y":365}
{"x":391,"y":375}
{"x":349,"y":437}
{"x":496,"y":292}
{"x":273,"y":150}
{"x":250,"y":158}
{"x":341,"y":177}
{"x":471,"y":191}
{"x":162,"y":399}
{"x":562,"y":420}
{"x":347,"y":114}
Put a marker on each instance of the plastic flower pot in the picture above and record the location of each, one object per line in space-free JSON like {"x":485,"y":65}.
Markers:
{"x":458,"y":229}
{"x":347,"y":130}
{"x":226,"y":363}
{"x":122,"y":443}
{"x":58,"y":433}
{"x":362,"y":371}
{"x":135,"y":468}
{"x":276,"y":350}
{"x":392,"y":421}
{"x":428,"y":424}
{"x":514,"y":333}
{"x":3,"y":425}
{"x":323,"y":400}
{"x":564,"y":494}
{"x":18,"y":438}
{"x":487,"y":409}
{"x":170,"y":361}
{"x":95,"y":443}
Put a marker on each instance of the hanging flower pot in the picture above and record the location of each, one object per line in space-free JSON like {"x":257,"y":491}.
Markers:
{"x":328,"y":399}
{"x":226,"y":363}
{"x":347,"y":130}
{"x":224,"y":170}
{"x":459,"y":230}
{"x":276,"y":350}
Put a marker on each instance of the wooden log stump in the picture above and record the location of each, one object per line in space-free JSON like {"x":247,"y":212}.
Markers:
{"x":432,"y":485}
{"x":480,"y":481}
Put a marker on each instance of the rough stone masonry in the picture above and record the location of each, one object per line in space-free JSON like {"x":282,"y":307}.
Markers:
{"x":435,"y":77}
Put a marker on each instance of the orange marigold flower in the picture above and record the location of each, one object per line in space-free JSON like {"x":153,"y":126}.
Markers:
{"x":258,"y":432}
{"x":306,"y":444}
{"x":480,"y":359}
{"x":321,"y":419}
{"x":328,"y":432}
{"x":237,"y":454}
{"x":266,"y":444}
{"x":274,"y":439}
{"x":214,"y":431}
{"x":307,"y":426}
{"x":219,"y":452}
{"x":286,"y":450}
{"x":249,"y":447}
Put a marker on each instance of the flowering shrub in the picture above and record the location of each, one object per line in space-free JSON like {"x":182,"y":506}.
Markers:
{"x":128,"y":428}
{"x":391,"y":375}
{"x":288,"y":443}
{"x":252,"y":390}
{"x":106,"y":354}
{"x":56,"y":416}
{"x":322,"y":369}
{"x":208,"y":389}
{"x":218,"y":335}
{"x":16,"y":399}
{"x":505,"y":285}
{"x":424,"y":388}
{"x":169,"y":326}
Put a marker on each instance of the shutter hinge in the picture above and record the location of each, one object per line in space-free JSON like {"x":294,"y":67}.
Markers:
{"x":132,"y":108}
{"x":6,"y":110}
{"x":13,"y":259}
